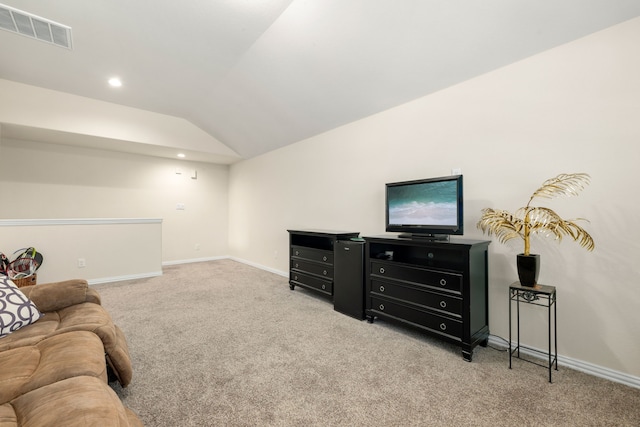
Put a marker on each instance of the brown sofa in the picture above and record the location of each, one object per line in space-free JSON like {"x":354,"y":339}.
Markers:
{"x":55,"y":371}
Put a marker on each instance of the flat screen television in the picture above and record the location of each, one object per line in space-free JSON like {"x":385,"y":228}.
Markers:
{"x":427,"y":208}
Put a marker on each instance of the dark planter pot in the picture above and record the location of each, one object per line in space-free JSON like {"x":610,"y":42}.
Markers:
{"x":528,"y":269}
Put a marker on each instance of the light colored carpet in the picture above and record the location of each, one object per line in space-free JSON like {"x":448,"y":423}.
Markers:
{"x":224,"y":344}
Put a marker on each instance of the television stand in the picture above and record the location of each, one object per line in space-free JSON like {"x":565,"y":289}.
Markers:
{"x":428,"y":237}
{"x":440,"y":288}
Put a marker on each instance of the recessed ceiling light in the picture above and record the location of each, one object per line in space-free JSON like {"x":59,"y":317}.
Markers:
{"x":115,"y":82}
{"x":181,"y":155}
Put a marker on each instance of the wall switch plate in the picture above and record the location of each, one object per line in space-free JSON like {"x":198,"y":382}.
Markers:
{"x":180,"y":206}
{"x":456,"y":171}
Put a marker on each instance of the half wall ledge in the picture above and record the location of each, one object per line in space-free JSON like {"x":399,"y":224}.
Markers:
{"x":88,"y":248}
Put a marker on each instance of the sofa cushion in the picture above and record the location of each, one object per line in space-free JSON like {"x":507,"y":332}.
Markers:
{"x":16,"y":310}
{"x":53,"y":359}
{"x":79,"y":317}
{"x":74,"y":402}
{"x":57,"y":295}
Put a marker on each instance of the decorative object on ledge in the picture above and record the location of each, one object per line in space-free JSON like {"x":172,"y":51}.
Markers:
{"x":535,"y":219}
{"x":22,"y":267}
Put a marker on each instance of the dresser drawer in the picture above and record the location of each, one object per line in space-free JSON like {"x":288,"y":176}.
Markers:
{"x":312,"y":254}
{"x":322,"y":270}
{"x":435,"y":323}
{"x":420,"y":295}
{"x":438,"y":279}
{"x":314,"y":282}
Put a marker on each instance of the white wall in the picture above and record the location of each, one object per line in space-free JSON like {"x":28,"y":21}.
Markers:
{"x":42,"y":180}
{"x":110,"y":249}
{"x":575,"y":108}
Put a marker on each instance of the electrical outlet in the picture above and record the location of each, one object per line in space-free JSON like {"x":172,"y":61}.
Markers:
{"x":82,"y":263}
{"x":197,"y":247}
{"x":180,"y":206}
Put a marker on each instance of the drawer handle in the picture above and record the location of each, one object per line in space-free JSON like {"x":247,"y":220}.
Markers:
{"x":443,"y":304}
{"x":381,"y":307}
{"x":324,"y":272}
{"x":381,"y":288}
{"x":381,"y":270}
{"x":297,"y":252}
{"x":296,"y":265}
{"x":443,"y":282}
{"x":324,"y":287}
{"x":443,"y":326}
{"x":295,"y":277}
{"x":324,"y":258}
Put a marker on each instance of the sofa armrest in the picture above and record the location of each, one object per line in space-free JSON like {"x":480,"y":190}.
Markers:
{"x":57,"y":295}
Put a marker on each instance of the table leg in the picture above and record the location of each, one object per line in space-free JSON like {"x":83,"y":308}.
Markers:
{"x":510,"y":301}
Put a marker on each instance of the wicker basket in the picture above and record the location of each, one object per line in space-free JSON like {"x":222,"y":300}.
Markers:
{"x":26,"y":281}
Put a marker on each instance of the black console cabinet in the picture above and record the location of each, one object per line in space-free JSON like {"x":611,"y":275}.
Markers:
{"x":311,"y":255}
{"x":438,"y":287}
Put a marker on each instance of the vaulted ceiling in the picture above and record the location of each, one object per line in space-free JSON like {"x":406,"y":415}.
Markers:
{"x":257,"y":75}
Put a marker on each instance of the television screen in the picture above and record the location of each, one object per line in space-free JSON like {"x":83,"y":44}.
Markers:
{"x":425,"y":207}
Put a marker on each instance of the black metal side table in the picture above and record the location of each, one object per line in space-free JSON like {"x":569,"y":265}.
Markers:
{"x":541,"y":295}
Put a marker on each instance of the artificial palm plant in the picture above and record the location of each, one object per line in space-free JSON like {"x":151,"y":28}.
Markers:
{"x":530,"y":220}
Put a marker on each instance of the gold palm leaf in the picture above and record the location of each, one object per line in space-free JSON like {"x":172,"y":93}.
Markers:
{"x":562,"y":185}
{"x":548,"y":222}
{"x":540,"y":220}
{"x":501,"y":223}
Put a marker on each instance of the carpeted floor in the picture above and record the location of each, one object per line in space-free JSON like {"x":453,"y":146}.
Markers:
{"x":224,"y":344}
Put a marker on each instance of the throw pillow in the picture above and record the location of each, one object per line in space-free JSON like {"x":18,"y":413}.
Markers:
{"x":16,"y":310}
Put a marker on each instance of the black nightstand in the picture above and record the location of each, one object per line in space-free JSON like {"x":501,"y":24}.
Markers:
{"x":544,"y":296}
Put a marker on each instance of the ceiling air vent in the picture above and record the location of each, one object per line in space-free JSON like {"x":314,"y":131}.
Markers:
{"x":33,"y":26}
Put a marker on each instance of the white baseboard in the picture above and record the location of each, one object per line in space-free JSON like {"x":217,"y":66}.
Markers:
{"x":152,"y":273}
{"x":123,"y":278}
{"x":578,"y":365}
{"x":243,"y":261}
{"x":191,"y":260}
{"x":262,"y":267}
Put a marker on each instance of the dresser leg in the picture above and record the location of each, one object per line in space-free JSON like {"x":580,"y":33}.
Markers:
{"x":467,"y":355}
